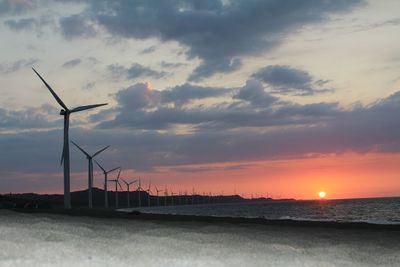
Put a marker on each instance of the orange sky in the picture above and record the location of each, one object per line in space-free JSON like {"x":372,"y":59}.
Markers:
{"x":340,"y":176}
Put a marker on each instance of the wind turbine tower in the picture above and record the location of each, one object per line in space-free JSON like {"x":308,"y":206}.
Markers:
{"x":127,"y":187}
{"x":106,"y":182}
{"x":117,"y":183}
{"x":90,"y":170}
{"x":66,"y":112}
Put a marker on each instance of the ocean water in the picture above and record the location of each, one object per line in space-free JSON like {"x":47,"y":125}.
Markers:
{"x":372,"y":210}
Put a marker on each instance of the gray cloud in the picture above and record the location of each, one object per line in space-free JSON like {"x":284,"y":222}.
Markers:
{"x":148,"y":50}
{"x":285,"y":79}
{"x":373,"y":128}
{"x":165,"y":64}
{"x":37,"y":118}
{"x":77,"y":26}
{"x":72,"y":63}
{"x":17,"y":65}
{"x":21,"y":24}
{"x":134,"y":71}
{"x":11,"y":7}
{"x":217,"y":32}
{"x":254,"y":93}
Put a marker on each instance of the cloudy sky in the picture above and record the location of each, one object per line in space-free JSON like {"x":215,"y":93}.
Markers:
{"x":274,"y":97}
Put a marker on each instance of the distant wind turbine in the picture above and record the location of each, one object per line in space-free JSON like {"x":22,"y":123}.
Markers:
{"x":117,"y":183}
{"x":158,"y":199}
{"x":127,"y":187}
{"x":139,"y":188}
{"x":90,"y":170}
{"x":65,"y":154}
{"x":148,"y":194}
{"x":106,"y":182}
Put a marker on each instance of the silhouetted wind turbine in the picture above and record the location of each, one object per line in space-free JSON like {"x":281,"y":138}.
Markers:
{"x":138,"y":189}
{"x":148,"y":193}
{"x":158,"y":199}
{"x":127,"y":187}
{"x":65,"y":154}
{"x":106,"y":182}
{"x":90,"y":170}
{"x":116,"y":188}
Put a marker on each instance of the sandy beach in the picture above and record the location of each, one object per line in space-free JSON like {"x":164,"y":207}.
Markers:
{"x":44,"y":239}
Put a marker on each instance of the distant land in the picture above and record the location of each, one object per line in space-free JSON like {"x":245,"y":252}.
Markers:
{"x":80,"y":199}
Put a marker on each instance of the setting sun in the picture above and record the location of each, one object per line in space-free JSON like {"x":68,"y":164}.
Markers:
{"x":322,"y":194}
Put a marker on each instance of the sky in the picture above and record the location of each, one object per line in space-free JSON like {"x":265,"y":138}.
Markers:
{"x":264,"y":97}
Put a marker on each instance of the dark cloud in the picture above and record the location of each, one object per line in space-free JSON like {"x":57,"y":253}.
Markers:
{"x":165,"y":64}
{"x":31,"y":23}
{"x":12,"y":7}
{"x":29,"y":118}
{"x":373,"y":128}
{"x":134,"y":71}
{"x":77,"y":26}
{"x":17,"y":65}
{"x":217,"y":32}
{"x":254,"y":93}
{"x":142,"y":107}
{"x":72,"y":63}
{"x":285,"y":79}
{"x":21,"y":24}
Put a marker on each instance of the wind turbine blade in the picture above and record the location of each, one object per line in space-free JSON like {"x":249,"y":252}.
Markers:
{"x":124,"y":181}
{"x":87,"y":107}
{"x":133,"y":182}
{"x":51,"y":91}
{"x":119,"y":185}
{"x":62,"y":157}
{"x":98,"y":152}
{"x":98,"y":164}
{"x":81,"y":149}
{"x":114,"y":169}
{"x":119,"y":173}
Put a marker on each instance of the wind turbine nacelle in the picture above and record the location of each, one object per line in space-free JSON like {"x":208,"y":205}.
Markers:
{"x":62,"y":112}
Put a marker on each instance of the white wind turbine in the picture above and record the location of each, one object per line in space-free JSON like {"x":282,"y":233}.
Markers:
{"x":106,"y":182}
{"x":65,"y":154}
{"x":90,"y":170}
{"x":117,"y":183}
{"x":127,"y":187}
{"x":158,"y":199}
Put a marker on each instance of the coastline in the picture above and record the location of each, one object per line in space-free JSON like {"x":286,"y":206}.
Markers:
{"x":136,"y":215}
{"x":80,"y":237}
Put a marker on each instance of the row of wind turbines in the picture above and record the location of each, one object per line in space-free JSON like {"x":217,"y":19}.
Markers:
{"x":65,"y":161}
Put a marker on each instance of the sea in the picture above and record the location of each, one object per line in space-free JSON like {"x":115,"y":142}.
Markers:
{"x":370,"y":210}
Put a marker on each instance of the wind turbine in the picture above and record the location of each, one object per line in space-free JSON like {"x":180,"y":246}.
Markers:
{"x":138,"y":189}
{"x":117,"y":183}
{"x":148,"y":193}
{"x":158,"y":199}
{"x":165,"y":196}
{"x":106,"y":182}
{"x":193,"y":192}
{"x":65,"y":154}
{"x":127,"y":186}
{"x":90,"y":170}
{"x":172,"y":197}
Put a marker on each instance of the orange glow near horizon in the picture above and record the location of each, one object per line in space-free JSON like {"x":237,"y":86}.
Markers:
{"x":347,"y":176}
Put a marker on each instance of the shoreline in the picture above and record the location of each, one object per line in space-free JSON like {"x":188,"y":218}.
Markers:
{"x":136,"y":215}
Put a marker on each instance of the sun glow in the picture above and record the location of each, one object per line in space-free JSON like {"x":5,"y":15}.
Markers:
{"x":322,"y":194}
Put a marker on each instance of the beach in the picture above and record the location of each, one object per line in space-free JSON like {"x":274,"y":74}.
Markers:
{"x":48,"y":239}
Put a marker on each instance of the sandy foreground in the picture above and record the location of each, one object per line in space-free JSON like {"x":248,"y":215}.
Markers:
{"x":62,"y":240}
